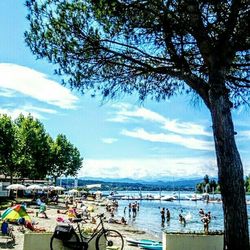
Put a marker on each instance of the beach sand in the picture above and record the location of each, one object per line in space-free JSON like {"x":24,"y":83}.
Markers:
{"x":49,"y":224}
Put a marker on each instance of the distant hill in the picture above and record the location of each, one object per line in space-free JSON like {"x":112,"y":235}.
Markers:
{"x":139,"y":184}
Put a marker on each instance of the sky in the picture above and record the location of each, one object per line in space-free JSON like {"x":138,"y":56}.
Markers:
{"x":119,"y":138}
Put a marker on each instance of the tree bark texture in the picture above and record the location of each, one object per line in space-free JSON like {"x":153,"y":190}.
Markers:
{"x":230,"y":173}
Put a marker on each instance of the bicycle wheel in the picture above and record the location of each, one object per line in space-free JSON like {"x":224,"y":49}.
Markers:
{"x":108,"y":239}
{"x":72,"y":243}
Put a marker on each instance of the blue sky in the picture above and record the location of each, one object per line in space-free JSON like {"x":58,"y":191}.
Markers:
{"x":117,"y":139}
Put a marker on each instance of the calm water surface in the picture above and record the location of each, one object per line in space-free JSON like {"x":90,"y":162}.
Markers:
{"x":149,"y":218}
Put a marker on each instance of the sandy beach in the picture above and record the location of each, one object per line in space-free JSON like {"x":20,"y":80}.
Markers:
{"x":49,"y":224}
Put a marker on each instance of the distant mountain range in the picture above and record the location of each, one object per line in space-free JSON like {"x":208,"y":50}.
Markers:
{"x":167,"y":183}
{"x":163,"y":182}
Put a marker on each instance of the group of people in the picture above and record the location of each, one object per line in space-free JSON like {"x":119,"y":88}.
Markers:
{"x":117,"y":221}
{"x":73,"y":212}
{"x":132,"y":207}
{"x":165,"y":214}
{"x":205,"y":218}
{"x":111,"y":208}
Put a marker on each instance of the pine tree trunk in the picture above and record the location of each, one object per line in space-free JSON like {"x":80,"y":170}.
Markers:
{"x":230,"y":173}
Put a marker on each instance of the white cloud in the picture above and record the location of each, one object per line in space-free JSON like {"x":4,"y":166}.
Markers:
{"x":128,"y":112}
{"x":6,"y":93}
{"x":149,"y":168}
{"x":109,"y":140}
{"x":26,"y":110}
{"x":188,"y":142}
{"x":245,"y":134}
{"x":27,"y":81}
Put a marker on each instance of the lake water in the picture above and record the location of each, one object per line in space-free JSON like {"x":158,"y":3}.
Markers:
{"x":149,"y":218}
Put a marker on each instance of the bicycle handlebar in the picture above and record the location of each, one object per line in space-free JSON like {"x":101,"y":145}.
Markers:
{"x":100,"y":215}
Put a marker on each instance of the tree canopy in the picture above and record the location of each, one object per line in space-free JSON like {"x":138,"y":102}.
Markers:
{"x":158,"y":49}
{"x":34,"y":147}
{"x":153,"y":46}
{"x":9,"y":146}
{"x":28,"y":151}
{"x":66,"y":159}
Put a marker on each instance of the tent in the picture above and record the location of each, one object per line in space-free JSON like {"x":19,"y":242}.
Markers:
{"x":12,"y":214}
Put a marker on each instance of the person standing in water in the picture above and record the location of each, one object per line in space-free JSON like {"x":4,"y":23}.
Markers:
{"x":168,"y":214}
{"x":162,"y":215}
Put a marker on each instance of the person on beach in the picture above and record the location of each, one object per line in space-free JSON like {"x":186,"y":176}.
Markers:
{"x":162,"y":212}
{"x":123,"y":221}
{"x":201,"y":212}
{"x":5,"y":227}
{"x":124,"y":211}
{"x":206,"y":222}
{"x":209,"y":215}
{"x":168,"y":214}
{"x":29,"y":225}
{"x":84,"y":210}
{"x":113,"y":220}
{"x":72,"y":213}
{"x":93,"y":220}
{"x":42,"y":210}
{"x":129,"y":208}
{"x":182,"y":220}
{"x":134,"y":209}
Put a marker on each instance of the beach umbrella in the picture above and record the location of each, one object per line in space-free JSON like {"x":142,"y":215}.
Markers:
{"x":14,"y":213}
{"x":34,"y":187}
{"x":16,"y":187}
{"x":48,"y":187}
{"x":73,"y":191}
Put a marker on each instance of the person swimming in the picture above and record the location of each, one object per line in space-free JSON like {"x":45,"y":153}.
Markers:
{"x":182,"y":220}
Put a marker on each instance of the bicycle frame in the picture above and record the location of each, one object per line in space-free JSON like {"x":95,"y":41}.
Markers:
{"x":94,"y":234}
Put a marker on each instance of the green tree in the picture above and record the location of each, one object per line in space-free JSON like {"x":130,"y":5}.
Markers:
{"x":247,"y":183}
{"x":213,"y":185}
{"x":158,"y":49}
{"x":9,"y":147}
{"x":34,"y":143}
{"x":206,"y":179}
{"x":66,"y":159}
{"x":200,"y":187}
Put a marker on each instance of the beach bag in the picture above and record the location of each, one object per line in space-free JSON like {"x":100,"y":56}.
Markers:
{"x":63,"y":232}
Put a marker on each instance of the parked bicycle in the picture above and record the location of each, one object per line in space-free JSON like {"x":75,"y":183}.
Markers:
{"x":72,"y":238}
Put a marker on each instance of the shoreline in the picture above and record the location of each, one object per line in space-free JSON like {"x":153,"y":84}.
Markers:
{"x":127,"y":231}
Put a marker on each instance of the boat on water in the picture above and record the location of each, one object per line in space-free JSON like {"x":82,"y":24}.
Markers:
{"x":114,"y":196}
{"x":167,"y":198}
{"x":157,"y":197}
{"x":149,"y":197}
{"x":144,"y":242}
{"x":194,"y":197}
{"x":131,"y":198}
